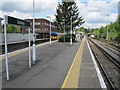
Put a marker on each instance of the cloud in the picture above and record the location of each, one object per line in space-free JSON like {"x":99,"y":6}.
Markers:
{"x":98,"y":5}
{"x":94,"y":17}
{"x":114,"y":5}
{"x":17,"y":14}
{"x":97,"y":17}
{"x":95,"y":12}
{"x":26,"y":6}
{"x":94,"y":25}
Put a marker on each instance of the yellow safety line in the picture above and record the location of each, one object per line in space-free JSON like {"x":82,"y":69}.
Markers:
{"x":72,"y":78}
{"x":22,"y":51}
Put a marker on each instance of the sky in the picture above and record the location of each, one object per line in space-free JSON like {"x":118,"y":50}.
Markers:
{"x":96,"y":13}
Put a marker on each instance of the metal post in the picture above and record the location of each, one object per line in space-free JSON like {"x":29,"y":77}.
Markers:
{"x":50,"y":30}
{"x":64,"y":31}
{"x":6,"y":52}
{"x":71,"y":33}
{"x":29,"y":49}
{"x":34,"y":46}
{"x":107,"y":33}
{"x":58,"y":35}
{"x":107,"y":29}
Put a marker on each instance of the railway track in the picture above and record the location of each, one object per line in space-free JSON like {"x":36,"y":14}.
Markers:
{"x":113,"y":67}
{"x":117,"y":52}
{"x":112,"y":49}
{"x":111,"y":58}
{"x":114,"y":45}
{"x":20,"y":45}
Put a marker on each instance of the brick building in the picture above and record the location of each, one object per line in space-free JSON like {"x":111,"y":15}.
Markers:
{"x":0,"y":36}
{"x":42,"y":27}
{"x":0,"y":25}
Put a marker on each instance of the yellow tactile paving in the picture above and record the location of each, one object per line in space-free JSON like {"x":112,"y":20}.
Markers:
{"x":72,"y":78}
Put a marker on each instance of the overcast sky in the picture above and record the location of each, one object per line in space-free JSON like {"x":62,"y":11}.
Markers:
{"x":96,"y":13}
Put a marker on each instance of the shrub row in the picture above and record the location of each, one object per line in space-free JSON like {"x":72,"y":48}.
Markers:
{"x":67,"y":38}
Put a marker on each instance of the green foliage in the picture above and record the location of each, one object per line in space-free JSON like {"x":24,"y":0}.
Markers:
{"x":113,"y":31}
{"x":12,"y":29}
{"x":65,"y":11}
{"x":67,"y":38}
{"x":97,"y":33}
{"x":112,"y":35}
{"x":82,"y":29}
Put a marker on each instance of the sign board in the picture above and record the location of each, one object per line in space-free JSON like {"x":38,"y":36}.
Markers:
{"x":15,"y":21}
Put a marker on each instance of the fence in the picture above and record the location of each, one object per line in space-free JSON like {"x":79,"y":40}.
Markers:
{"x":16,"y":37}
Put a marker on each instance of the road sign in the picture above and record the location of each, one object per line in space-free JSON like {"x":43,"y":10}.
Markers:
{"x":16,"y":21}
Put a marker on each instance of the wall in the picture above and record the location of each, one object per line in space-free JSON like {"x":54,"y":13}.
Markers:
{"x":16,"y":37}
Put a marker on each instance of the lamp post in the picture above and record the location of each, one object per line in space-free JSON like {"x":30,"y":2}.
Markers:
{"x":64,"y":29}
{"x":63,"y":23}
{"x":50,"y":29}
{"x":34,"y":46}
{"x":71,"y":32}
{"x":6,"y":51}
{"x":107,"y":29}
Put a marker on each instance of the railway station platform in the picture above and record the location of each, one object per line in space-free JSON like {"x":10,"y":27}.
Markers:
{"x":89,"y":77}
{"x":59,"y":66}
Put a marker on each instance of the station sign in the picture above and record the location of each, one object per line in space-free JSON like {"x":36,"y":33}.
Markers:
{"x":8,"y":20}
{"x":16,"y":21}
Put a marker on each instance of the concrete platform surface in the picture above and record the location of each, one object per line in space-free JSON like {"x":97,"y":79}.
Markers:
{"x":56,"y":64}
{"x":53,"y":64}
{"x":88,"y":76}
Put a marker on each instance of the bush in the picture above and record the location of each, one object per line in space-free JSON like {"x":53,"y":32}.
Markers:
{"x":67,"y":38}
{"x":117,"y":39}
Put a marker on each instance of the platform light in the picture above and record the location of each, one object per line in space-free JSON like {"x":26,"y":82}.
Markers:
{"x":107,"y":28}
{"x":64,"y":29}
{"x":71,"y":31}
{"x":34,"y":46}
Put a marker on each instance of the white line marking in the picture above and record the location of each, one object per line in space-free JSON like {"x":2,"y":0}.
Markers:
{"x":101,"y":80}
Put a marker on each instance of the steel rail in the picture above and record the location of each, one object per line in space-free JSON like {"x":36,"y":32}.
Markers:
{"x":116,"y":62}
{"x":112,"y":50}
{"x":112,"y":87}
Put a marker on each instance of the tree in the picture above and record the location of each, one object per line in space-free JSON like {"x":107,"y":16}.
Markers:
{"x":12,"y":29}
{"x":66,"y":11}
{"x":117,"y":27}
{"x":82,"y":29}
{"x":113,"y":30}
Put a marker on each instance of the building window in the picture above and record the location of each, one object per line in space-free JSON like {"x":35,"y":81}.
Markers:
{"x":37,"y":23}
{"x":37,"y":29}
